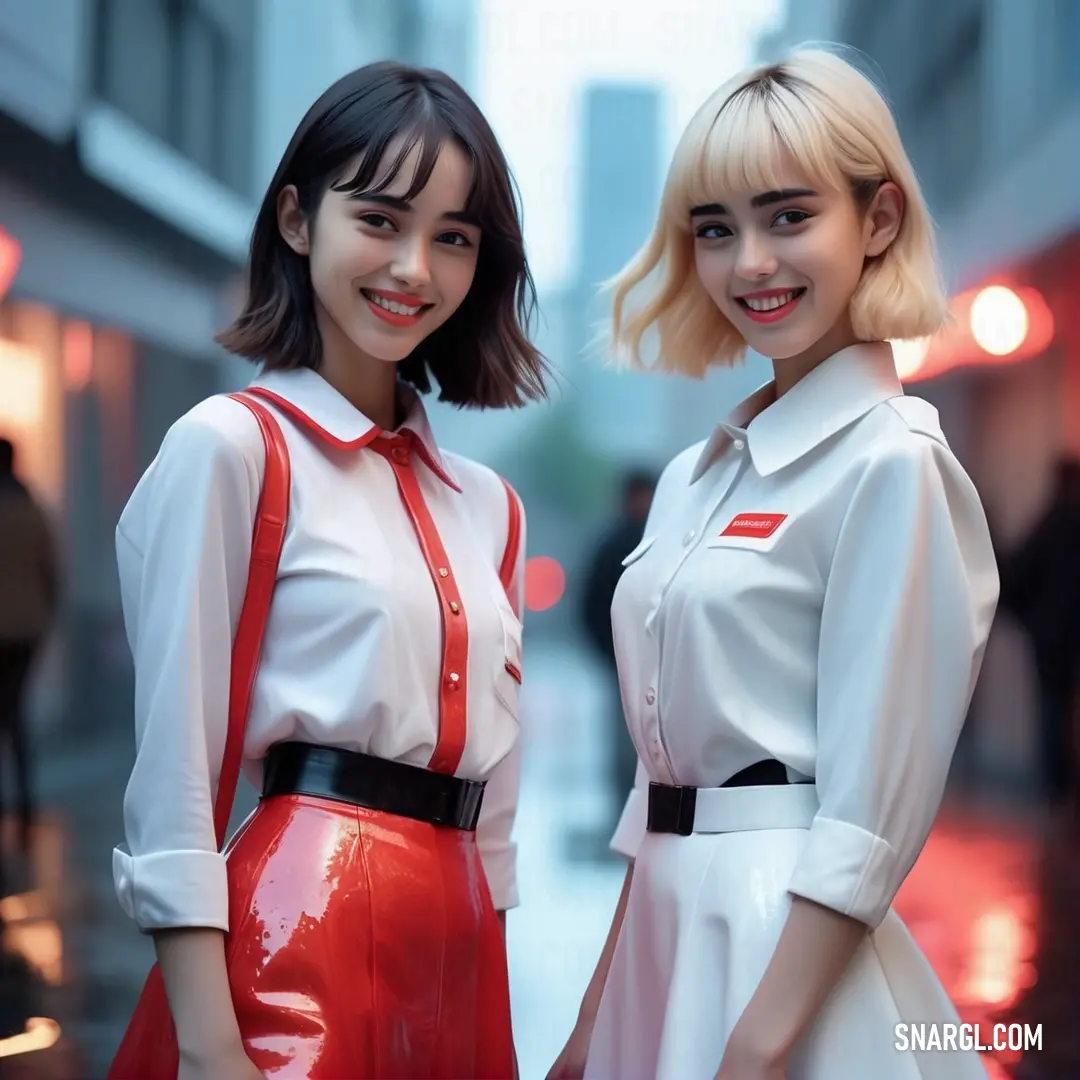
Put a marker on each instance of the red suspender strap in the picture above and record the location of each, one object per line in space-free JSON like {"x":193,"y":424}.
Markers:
{"x":266,"y":541}
{"x":148,"y":1050}
{"x":508,"y":569}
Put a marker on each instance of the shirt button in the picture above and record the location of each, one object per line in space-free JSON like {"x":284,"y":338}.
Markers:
{"x":400,"y":454}
{"x":455,"y":607}
{"x":452,"y":680}
{"x":688,"y":539}
{"x":443,"y":572}
{"x":738,"y":444}
{"x":650,"y":696}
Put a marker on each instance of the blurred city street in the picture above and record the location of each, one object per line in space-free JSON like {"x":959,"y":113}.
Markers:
{"x":137,"y":140}
{"x":75,"y":963}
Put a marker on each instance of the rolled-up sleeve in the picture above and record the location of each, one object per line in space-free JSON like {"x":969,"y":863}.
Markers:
{"x":183,"y":546}
{"x":630,"y":830}
{"x":907,"y":611}
{"x":494,"y":830}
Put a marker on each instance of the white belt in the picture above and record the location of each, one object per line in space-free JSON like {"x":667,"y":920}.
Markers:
{"x":738,"y":809}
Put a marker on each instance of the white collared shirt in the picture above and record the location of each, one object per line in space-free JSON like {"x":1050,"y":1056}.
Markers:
{"x":352,"y":655}
{"x":816,"y":584}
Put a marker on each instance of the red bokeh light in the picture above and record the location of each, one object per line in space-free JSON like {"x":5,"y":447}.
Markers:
{"x":545,"y":582}
{"x":10,"y":258}
{"x":78,"y":353}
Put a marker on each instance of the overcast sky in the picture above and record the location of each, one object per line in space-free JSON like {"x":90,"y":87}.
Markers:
{"x":535,"y":56}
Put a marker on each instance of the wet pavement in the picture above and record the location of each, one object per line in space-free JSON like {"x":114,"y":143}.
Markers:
{"x":72,"y":964}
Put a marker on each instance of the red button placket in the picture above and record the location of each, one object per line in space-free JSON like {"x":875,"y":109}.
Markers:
{"x":453,"y":689}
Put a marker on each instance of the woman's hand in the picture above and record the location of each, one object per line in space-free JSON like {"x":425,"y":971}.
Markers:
{"x":570,"y":1064}
{"x":744,"y":1064}
{"x":229,"y":1063}
{"x":750,"y":1071}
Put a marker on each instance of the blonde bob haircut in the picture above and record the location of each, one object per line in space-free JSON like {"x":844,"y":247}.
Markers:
{"x":835,"y":125}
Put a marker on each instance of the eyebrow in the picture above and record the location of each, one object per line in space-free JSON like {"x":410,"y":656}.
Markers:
{"x":404,"y":206}
{"x":766,"y":198}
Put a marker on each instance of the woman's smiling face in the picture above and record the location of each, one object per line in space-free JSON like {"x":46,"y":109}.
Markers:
{"x":782,"y":265}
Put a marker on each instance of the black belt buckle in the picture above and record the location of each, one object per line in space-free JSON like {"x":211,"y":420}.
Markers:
{"x":468,"y":798}
{"x":671,"y":809}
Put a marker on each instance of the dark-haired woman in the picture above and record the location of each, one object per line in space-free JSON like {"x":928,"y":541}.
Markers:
{"x":355,"y":927}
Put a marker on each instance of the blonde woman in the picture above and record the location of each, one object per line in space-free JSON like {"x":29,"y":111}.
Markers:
{"x":801,"y":628}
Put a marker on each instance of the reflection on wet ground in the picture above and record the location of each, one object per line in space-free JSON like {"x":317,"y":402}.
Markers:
{"x":1050,"y":993}
{"x":34,"y":980}
{"x":969,"y":902}
{"x":991,"y":901}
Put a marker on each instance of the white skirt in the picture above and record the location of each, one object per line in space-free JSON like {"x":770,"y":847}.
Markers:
{"x":702,"y":921}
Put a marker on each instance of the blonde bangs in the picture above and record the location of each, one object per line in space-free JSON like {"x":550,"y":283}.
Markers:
{"x":745,"y":143}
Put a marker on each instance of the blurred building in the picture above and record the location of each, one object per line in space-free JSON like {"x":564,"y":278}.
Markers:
{"x":987,"y":96}
{"x":621,"y":140}
{"x":136,"y":137}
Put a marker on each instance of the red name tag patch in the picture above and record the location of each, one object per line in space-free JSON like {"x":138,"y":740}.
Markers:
{"x":756,"y":525}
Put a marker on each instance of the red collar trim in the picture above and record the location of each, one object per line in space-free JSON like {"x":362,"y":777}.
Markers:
{"x":302,"y":418}
{"x":306,"y":421}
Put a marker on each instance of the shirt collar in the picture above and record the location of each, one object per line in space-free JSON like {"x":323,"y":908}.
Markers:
{"x":836,"y":393}
{"x":306,"y":397}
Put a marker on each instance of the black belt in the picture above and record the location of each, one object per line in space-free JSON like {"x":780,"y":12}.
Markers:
{"x":671,"y":808}
{"x":295,"y":768}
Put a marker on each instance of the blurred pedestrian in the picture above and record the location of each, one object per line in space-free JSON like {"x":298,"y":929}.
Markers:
{"x":605,"y":568}
{"x":1040,"y":585}
{"x":29,"y":591}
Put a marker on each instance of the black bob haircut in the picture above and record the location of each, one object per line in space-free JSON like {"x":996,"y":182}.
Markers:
{"x":481,"y":356}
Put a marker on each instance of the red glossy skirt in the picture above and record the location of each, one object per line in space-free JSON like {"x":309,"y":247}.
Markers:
{"x":362,"y":945}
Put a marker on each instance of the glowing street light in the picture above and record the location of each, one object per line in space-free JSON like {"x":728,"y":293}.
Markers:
{"x":999,"y":320}
{"x":989,"y":325}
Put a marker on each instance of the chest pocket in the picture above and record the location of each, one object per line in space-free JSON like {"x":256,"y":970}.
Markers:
{"x":508,"y":658}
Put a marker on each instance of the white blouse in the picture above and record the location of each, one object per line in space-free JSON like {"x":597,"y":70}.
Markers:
{"x":816,"y":584}
{"x":353,"y":650}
